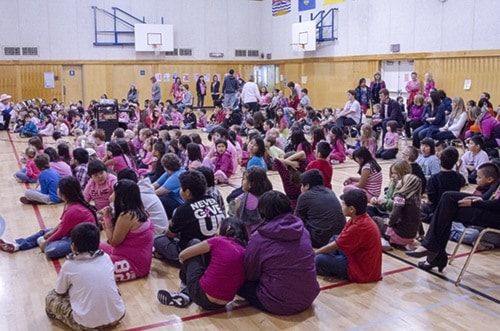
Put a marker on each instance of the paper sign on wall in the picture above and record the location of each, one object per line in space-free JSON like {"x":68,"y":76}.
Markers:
{"x":158,"y":77}
{"x":48,"y":80}
{"x":467,"y":84}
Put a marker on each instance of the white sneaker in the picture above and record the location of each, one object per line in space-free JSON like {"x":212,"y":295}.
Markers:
{"x":40,"y":240}
{"x":385,"y":245}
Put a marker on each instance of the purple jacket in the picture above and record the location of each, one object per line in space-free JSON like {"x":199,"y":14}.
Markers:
{"x":224,"y":162}
{"x":490,"y":127}
{"x":280,"y":256}
{"x":416,"y":112}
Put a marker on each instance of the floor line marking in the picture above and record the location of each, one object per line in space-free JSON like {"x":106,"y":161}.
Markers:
{"x":221,"y":311}
{"x":38,"y":215}
{"x":465,"y":287}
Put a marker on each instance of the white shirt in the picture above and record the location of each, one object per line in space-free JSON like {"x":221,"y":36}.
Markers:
{"x":475,"y":160}
{"x":153,"y":205}
{"x":93,"y":293}
{"x":250,"y":93}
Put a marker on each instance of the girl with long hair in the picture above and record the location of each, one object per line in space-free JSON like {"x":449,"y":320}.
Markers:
{"x":129,"y":232}
{"x":55,"y":242}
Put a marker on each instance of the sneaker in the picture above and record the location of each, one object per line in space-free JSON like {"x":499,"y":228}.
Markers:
{"x":7,"y":246}
{"x":27,"y":201}
{"x":385,"y":245}
{"x":175,"y":299}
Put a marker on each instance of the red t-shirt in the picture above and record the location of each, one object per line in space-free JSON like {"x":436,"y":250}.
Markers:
{"x":225,"y":273}
{"x":326,"y":169}
{"x":360,"y":242}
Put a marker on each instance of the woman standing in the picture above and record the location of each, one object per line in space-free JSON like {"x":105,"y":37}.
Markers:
{"x":363,"y":95}
{"x":375,"y":86}
{"x":215,"y":88}
{"x":201,"y":90}
{"x":133,"y":94}
{"x":429,"y":84}
{"x":412,"y":88}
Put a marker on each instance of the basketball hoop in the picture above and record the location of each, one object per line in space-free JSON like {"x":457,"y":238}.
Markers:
{"x":298,"y":47}
{"x":156,"y":49}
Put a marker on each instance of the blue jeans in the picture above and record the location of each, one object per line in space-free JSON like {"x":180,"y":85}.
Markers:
{"x":25,"y":178}
{"x":229,"y":99}
{"x":332,"y":264}
{"x":53,"y":250}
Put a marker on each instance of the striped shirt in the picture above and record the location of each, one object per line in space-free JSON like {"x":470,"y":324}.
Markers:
{"x":374,"y":183}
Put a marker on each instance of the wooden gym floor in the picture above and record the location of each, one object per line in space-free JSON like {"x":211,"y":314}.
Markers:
{"x":407,"y":298}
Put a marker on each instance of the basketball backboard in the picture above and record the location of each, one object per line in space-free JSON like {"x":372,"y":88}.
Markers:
{"x":304,"y":36}
{"x":154,"y":37}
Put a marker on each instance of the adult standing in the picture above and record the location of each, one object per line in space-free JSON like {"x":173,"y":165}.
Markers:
{"x":363,"y":95}
{"x":391,"y":111}
{"x":412,"y":88}
{"x":155,"y":91}
{"x":176,"y":85}
{"x":375,"y":86}
{"x":351,"y":114}
{"x":215,"y":88}
{"x":250,"y":94}
{"x":229,"y":89}
{"x":6,"y":108}
{"x":429,"y":84}
{"x":201,"y":91}
{"x":133,"y":94}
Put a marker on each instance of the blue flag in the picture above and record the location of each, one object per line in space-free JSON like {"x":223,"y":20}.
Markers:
{"x":307,"y":5}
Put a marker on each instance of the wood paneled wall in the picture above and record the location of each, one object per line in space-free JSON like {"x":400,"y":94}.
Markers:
{"x":328,"y":79}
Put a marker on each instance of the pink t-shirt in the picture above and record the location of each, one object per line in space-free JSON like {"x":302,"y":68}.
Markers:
{"x":225,"y":273}
{"x":132,"y":258}
{"x":100,"y":193}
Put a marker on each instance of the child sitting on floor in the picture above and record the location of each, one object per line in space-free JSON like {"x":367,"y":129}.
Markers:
{"x":323,"y":149}
{"x":48,"y":179}
{"x":402,"y":226}
{"x":370,"y":174}
{"x":355,"y":254}
{"x":86,"y":295}
{"x":211,"y":283}
{"x":29,"y":174}
{"x":389,"y":150}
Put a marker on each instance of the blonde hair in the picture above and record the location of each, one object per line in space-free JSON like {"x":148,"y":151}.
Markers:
{"x":418,"y":99}
{"x":428,"y":76}
{"x":458,"y":107}
{"x":402,"y":167}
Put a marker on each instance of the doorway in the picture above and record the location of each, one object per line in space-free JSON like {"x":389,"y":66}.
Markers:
{"x":72,"y":84}
{"x":396,"y":74}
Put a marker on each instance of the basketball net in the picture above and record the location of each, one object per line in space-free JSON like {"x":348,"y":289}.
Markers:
{"x":156,"y":49}
{"x":298,"y":47}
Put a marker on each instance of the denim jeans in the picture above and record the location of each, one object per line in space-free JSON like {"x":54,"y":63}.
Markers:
{"x":229,"y":99}
{"x":332,"y":264}
{"x":25,"y":178}
{"x":53,"y":250}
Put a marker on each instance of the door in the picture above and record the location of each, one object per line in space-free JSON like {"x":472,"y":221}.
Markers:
{"x":72,"y":84}
{"x":396,"y":74}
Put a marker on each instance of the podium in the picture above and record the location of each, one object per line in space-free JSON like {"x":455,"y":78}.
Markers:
{"x":106,"y":115}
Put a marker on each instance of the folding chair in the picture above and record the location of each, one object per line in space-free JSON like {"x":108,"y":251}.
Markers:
{"x":472,"y":251}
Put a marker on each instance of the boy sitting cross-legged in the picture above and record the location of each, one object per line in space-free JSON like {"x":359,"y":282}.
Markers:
{"x":86,"y":295}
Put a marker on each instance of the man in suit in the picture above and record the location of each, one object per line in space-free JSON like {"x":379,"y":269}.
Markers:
{"x":391,"y":111}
